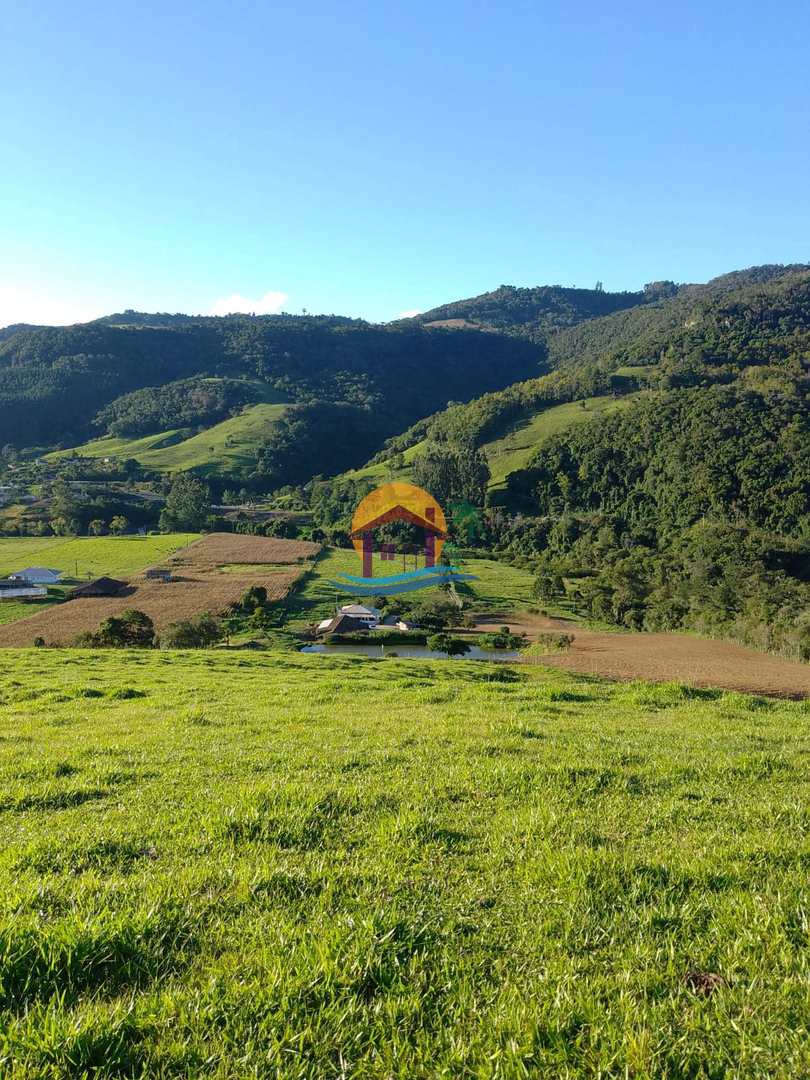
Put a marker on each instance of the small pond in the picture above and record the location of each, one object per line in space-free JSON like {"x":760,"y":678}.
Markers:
{"x":411,"y":652}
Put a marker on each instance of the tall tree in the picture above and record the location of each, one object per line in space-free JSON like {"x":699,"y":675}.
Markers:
{"x":188,"y":504}
{"x":453,"y":474}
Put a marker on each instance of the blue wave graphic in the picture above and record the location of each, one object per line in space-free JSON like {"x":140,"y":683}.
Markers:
{"x":406,"y":575}
{"x":392,"y":589}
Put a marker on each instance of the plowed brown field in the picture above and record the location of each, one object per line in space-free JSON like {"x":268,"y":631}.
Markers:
{"x":198,"y":586}
{"x":223,"y":549}
{"x":666,"y":658}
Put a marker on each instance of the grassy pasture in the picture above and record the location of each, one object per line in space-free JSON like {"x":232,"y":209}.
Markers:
{"x":92,"y":556}
{"x":499,"y":587}
{"x":515,"y":447}
{"x":381,"y":472}
{"x":227,"y":447}
{"x":283,"y":866}
{"x":12,"y":610}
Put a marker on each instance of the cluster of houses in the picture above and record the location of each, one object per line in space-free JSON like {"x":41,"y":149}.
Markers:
{"x":353,"y":617}
{"x":33,"y":582}
{"x":29,"y":584}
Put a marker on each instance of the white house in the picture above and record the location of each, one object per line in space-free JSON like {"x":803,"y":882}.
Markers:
{"x":39,"y":575}
{"x":368,"y":615}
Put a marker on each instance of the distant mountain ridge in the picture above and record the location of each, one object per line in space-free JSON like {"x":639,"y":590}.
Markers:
{"x":532,"y":312}
{"x":56,"y":381}
{"x":348,"y":385}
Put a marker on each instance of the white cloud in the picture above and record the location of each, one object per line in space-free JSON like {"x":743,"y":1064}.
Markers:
{"x":409,"y":314}
{"x":269,"y":304}
{"x":21,"y":305}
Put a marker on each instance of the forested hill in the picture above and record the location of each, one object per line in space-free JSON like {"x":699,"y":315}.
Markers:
{"x":55,"y":381}
{"x":669,"y":483}
{"x":736,"y":326}
{"x":7,"y":332}
{"x":643,"y":334}
{"x":340,"y":387}
{"x":536,"y":312}
{"x":723,"y":430}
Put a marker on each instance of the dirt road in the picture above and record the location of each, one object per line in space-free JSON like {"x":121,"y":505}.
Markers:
{"x":665,"y":658}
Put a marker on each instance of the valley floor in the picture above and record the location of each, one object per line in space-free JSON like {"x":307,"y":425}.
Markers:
{"x":235,"y":866}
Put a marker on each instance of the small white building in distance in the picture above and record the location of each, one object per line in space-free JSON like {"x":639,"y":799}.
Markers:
{"x":40,"y":575}
{"x":368,"y":615}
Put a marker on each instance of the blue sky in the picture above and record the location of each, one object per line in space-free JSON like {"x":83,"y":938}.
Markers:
{"x":373,"y":158}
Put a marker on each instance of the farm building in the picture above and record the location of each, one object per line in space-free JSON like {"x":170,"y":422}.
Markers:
{"x":368,"y":615}
{"x":103,"y":586}
{"x":342,"y":624}
{"x":157,"y":573}
{"x":18,"y":588}
{"x":39,"y":575}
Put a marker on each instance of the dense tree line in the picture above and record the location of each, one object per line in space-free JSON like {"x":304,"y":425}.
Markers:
{"x":713,"y":577}
{"x":674,"y":325}
{"x":331,"y":437}
{"x":455,"y":474}
{"x":185,"y":403}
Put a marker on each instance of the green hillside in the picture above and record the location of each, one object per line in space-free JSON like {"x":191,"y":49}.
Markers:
{"x":304,"y":866}
{"x":228,"y":448}
{"x":678,"y":496}
{"x":383,"y":470}
{"x":515,"y":448}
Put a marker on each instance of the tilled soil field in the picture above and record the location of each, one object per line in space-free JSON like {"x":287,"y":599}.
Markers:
{"x":667,"y":658}
{"x":223,"y":549}
{"x":198,"y":586}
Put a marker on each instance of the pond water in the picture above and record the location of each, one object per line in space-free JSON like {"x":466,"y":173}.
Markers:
{"x":411,"y":652}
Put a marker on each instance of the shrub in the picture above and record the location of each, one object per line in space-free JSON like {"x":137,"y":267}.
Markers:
{"x":443,"y":643}
{"x":505,"y":639}
{"x":252,"y":600}
{"x":196,"y":633}
{"x":130,"y":629}
{"x":549,"y":643}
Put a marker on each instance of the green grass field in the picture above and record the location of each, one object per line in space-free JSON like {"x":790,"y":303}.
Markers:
{"x":381,"y":472}
{"x":89,"y":556}
{"x":228,"y":447}
{"x":283,"y":866}
{"x":12,"y":610}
